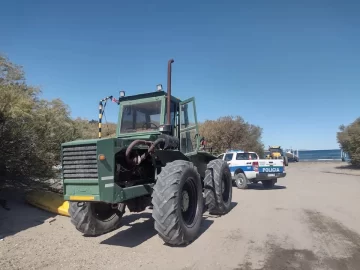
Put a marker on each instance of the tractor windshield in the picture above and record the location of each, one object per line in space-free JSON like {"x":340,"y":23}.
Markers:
{"x":275,"y":150}
{"x":141,"y":117}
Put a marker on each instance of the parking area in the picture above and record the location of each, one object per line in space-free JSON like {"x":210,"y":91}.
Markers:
{"x":310,"y":220}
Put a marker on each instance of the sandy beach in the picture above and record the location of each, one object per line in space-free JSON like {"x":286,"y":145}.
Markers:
{"x":310,"y":220}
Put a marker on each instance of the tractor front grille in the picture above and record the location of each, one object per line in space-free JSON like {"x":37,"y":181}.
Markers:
{"x":79,"y":162}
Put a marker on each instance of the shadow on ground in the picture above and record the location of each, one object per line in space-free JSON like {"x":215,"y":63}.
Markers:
{"x":141,"y":229}
{"x":136,"y":233}
{"x":342,"y":173}
{"x":348,"y":167}
{"x":232,"y":206}
{"x":21,"y":215}
{"x":261,"y":187}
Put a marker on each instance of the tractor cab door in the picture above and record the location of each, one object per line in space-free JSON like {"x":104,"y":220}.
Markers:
{"x":189,"y":139}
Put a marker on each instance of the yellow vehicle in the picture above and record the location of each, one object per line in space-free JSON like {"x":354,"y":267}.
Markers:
{"x":275,"y":152}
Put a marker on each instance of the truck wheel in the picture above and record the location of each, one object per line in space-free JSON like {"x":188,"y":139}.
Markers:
{"x":218,"y":187}
{"x":241,"y":181}
{"x":178,"y":203}
{"x":286,"y":161}
{"x":268,"y":183}
{"x":93,"y":219}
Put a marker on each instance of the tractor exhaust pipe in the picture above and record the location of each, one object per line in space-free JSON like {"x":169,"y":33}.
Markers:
{"x":169,"y":91}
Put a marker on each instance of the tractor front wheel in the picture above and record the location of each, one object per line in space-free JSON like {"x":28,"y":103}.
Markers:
{"x":178,"y":203}
{"x":93,"y":218}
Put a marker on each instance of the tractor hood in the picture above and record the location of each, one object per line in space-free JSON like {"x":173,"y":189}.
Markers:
{"x":82,"y":142}
{"x":89,"y":166}
{"x":121,"y":141}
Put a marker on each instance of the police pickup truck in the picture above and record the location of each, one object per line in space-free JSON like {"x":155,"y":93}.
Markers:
{"x":247,"y":167}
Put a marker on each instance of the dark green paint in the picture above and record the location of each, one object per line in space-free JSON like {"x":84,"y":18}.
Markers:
{"x":107,"y":190}
{"x":106,"y":168}
{"x":123,"y":194}
{"x":81,"y":190}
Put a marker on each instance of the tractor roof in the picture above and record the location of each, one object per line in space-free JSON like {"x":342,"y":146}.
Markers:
{"x":147,"y":95}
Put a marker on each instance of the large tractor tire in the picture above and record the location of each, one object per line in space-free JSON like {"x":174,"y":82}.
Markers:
{"x":178,"y":203}
{"x":218,"y":187}
{"x":93,"y":219}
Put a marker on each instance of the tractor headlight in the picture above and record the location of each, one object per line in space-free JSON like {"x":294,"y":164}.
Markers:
{"x":159,"y":87}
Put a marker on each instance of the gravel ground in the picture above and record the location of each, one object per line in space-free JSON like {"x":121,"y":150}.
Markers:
{"x":309,"y":221}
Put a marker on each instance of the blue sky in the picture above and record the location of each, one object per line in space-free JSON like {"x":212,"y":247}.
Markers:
{"x":291,"y":67}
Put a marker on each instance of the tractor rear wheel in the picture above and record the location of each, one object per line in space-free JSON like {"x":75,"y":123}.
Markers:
{"x":218,"y":187}
{"x":178,"y":203}
{"x":93,"y":218}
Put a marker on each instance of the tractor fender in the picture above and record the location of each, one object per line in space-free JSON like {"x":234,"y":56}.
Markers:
{"x":166,"y":156}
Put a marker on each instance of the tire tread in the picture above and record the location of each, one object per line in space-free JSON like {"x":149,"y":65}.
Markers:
{"x":213,"y":192}
{"x":164,"y":199}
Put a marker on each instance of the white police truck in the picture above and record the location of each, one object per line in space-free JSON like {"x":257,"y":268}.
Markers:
{"x":247,"y":167}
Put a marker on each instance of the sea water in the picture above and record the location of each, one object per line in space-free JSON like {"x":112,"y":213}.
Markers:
{"x":318,"y":155}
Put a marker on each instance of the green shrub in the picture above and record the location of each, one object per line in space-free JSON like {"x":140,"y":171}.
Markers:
{"x":230,"y":132}
{"x":349,"y":139}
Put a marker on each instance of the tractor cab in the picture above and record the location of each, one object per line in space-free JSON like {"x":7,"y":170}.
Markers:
{"x":145,"y":116}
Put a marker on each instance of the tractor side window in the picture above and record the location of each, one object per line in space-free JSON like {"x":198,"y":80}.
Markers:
{"x":127,"y":119}
{"x":172,"y":113}
{"x":188,"y":138}
{"x":228,"y":157}
{"x":188,"y":141}
{"x":187,"y":115}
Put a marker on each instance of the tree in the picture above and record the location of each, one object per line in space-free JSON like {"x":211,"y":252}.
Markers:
{"x":31,"y":129}
{"x":230,"y":132}
{"x":90,"y":129}
{"x":349,"y":139}
{"x":9,"y":72}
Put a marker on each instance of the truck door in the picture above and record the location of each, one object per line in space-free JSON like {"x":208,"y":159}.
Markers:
{"x":189,"y":139}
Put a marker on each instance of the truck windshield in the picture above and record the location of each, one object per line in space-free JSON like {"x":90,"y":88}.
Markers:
{"x":246,"y":156}
{"x":141,"y":117}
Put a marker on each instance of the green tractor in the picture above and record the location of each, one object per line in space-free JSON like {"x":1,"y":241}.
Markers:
{"x":156,"y":160}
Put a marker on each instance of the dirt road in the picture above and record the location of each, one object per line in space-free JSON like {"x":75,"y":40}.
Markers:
{"x":310,"y":221}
